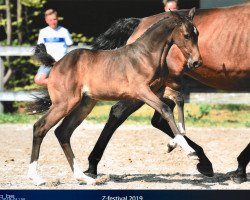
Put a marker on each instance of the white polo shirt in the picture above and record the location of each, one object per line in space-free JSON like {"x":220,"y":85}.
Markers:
{"x":55,"y":40}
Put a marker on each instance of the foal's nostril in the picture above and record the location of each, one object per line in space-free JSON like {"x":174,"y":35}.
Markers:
{"x":197,"y":64}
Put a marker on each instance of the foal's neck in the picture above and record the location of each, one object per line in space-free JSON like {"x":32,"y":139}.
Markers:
{"x":158,"y":35}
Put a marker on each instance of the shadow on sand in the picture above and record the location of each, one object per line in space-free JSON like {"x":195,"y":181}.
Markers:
{"x":193,"y":179}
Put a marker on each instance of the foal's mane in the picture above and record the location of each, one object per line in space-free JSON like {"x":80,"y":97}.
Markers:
{"x":153,"y":26}
{"x":172,"y":21}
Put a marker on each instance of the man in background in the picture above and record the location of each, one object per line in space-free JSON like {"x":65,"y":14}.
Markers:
{"x":56,"y":39}
{"x":170,"y":4}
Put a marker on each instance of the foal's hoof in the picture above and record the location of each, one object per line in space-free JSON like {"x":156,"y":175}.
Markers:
{"x":206,"y":170}
{"x":171,"y":146}
{"x":237,"y":177}
{"x":37,"y":180}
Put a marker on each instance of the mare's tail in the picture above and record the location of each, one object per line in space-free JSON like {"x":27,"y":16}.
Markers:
{"x":117,"y":35}
{"x":42,"y":101}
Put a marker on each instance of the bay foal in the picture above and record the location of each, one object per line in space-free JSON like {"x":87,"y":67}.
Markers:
{"x":135,"y":71}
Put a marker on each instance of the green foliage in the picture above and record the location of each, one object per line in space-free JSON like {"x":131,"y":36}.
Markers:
{"x":17,"y":118}
{"x":230,"y":107}
{"x":23,"y":72}
{"x":34,"y":3}
{"x":2,"y":7}
{"x":101,"y":103}
{"x":204,"y":110}
{"x":247,"y":124}
{"x":80,"y":38}
{"x":214,"y":118}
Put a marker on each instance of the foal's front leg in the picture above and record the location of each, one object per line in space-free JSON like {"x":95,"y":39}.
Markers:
{"x":146,"y":95}
{"x":178,"y":99}
{"x":204,"y":166}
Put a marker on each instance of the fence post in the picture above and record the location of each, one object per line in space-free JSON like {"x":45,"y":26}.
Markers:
{"x":1,"y":82}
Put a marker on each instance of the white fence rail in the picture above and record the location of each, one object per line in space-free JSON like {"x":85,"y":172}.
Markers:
{"x":216,"y":98}
{"x":27,"y":51}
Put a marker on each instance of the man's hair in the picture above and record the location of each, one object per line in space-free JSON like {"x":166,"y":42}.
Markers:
{"x":166,"y":1}
{"x":50,"y":12}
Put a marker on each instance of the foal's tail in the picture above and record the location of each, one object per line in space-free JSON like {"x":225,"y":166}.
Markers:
{"x":117,"y":35}
{"x":42,"y":101}
{"x":42,"y":55}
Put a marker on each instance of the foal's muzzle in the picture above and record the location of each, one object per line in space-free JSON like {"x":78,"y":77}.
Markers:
{"x":194,"y":63}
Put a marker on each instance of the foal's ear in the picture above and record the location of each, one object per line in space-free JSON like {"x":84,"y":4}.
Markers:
{"x":191,"y":13}
{"x":176,"y":15}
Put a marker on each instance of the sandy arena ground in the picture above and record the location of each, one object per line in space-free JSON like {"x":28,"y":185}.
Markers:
{"x":136,"y":158}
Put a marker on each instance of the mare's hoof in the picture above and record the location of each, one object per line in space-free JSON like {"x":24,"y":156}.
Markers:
{"x":237,"y":177}
{"x":92,"y":175}
{"x":206,"y":170}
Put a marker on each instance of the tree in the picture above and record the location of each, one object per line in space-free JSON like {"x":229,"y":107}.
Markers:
{"x":16,"y":18}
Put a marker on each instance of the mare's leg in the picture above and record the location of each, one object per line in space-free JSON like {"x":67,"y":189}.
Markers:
{"x":204,"y":166}
{"x":146,"y":95}
{"x":42,"y":126}
{"x":240,"y":176}
{"x":65,"y":130}
{"x":118,"y":114}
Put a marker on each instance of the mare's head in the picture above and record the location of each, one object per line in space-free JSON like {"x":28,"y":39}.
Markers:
{"x":185,"y":36}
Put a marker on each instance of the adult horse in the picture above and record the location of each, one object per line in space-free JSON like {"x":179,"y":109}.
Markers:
{"x":224,"y":44}
{"x":135,"y":71}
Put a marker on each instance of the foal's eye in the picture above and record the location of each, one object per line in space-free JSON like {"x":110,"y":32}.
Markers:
{"x":187,"y":36}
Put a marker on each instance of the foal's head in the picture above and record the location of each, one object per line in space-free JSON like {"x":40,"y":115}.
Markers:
{"x":185,"y":36}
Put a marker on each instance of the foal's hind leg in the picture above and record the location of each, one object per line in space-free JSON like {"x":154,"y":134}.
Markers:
{"x":146,"y":95}
{"x":64,"y":131}
{"x":41,"y":127}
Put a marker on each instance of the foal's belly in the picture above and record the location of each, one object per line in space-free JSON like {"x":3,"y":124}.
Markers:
{"x":109,"y":92}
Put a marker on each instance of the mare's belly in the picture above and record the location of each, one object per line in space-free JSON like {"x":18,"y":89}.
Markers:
{"x":220,"y":77}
